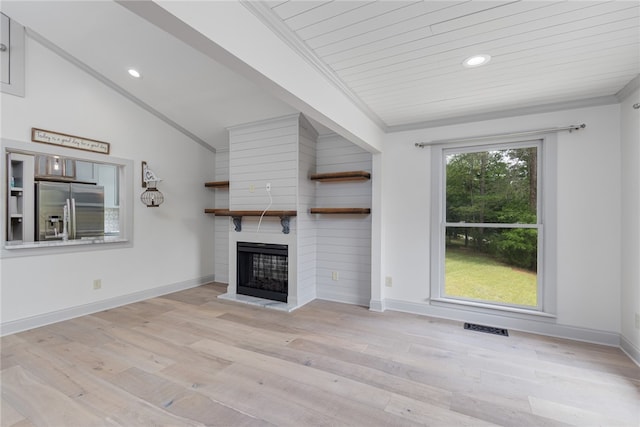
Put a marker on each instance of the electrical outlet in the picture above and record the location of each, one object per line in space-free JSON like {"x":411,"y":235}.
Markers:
{"x":388,"y":281}
{"x":334,"y":275}
{"x":252,"y":188}
{"x":97,"y":284}
{"x":268,"y":186}
{"x":637,"y":320}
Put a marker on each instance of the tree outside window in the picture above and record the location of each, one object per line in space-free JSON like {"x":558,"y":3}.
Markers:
{"x":491,"y":232}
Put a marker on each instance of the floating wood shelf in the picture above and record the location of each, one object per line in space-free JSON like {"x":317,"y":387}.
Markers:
{"x":217,"y":212}
{"x":357,"y":211}
{"x":341,"y":176}
{"x":217,"y":184}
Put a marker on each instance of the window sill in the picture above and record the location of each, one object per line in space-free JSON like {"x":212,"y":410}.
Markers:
{"x":58,"y":243}
{"x":490,"y":308}
{"x":22,"y":249}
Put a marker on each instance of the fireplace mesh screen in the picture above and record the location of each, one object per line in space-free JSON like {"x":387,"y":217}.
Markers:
{"x":263,"y":270}
{"x":270,"y":272}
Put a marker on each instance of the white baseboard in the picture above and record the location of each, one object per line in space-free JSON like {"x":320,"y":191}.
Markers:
{"x":631,"y":350}
{"x":377,"y":305}
{"x":222,"y":278}
{"x":347,"y":299}
{"x":15,"y":326}
{"x":542,"y":327}
{"x":304,"y":301}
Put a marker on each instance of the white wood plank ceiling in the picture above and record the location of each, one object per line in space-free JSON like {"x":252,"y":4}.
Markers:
{"x":401,"y":61}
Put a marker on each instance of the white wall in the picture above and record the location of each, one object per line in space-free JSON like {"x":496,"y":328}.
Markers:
{"x":630,"y":220}
{"x":172,"y":244}
{"x":261,"y":153}
{"x":305,"y":222}
{"x":344,"y":241}
{"x":588,"y":212}
{"x":221,"y":223}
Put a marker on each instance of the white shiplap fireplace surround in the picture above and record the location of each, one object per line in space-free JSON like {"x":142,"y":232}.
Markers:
{"x":280,"y":152}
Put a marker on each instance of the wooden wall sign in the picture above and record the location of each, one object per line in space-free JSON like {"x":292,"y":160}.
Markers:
{"x":70,"y":141}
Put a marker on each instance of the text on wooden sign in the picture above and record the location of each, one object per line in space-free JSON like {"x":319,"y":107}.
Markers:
{"x":71,"y":141}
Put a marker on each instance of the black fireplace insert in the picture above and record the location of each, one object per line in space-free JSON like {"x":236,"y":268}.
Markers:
{"x":263,"y":270}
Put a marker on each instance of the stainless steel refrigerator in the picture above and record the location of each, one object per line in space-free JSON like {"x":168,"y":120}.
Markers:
{"x":75,"y":208}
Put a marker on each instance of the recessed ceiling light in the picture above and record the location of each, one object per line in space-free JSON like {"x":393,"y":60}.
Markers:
{"x":476,"y":61}
{"x":134,"y":73}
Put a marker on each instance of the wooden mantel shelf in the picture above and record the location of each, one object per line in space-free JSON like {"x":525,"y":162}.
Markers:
{"x":237,"y":216}
{"x":267,"y":213}
{"x":357,"y":211}
{"x":227,"y":212}
{"x":217,"y":184}
{"x":341,"y":176}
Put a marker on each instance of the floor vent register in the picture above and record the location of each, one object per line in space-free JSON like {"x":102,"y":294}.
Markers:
{"x":486,"y":329}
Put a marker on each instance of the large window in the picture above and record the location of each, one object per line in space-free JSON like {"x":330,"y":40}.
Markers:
{"x":489,"y":248}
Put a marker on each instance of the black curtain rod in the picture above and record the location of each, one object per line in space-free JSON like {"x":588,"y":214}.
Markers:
{"x":503,"y":135}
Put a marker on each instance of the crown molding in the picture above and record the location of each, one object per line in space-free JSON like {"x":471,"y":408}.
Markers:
{"x":114,"y":86}
{"x":629,"y":88}
{"x":264,"y":13}
{"x":502,"y":114}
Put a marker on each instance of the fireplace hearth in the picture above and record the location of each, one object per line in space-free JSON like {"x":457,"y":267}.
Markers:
{"x":262,"y":270}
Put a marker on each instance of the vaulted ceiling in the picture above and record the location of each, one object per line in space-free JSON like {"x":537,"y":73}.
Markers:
{"x":400,"y":62}
{"x":178,"y":83}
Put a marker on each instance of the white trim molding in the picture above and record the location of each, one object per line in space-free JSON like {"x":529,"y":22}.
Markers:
{"x":629,"y":88}
{"x":378,"y":305}
{"x":344,"y":299}
{"x":15,"y":326}
{"x":502,"y":114}
{"x":630,"y":350}
{"x":543,"y":326}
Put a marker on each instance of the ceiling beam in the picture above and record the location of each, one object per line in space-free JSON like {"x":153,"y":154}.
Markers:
{"x":229,"y":33}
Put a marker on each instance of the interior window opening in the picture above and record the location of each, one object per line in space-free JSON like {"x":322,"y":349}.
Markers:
{"x":57,"y":198}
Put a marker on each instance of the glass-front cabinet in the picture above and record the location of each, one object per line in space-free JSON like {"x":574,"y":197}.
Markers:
{"x":20,"y":203}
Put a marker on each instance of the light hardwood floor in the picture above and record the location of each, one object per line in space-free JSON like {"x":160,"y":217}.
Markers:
{"x":191,"y":359}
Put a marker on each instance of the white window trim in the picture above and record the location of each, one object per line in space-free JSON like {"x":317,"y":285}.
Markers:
{"x":547,"y":213}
